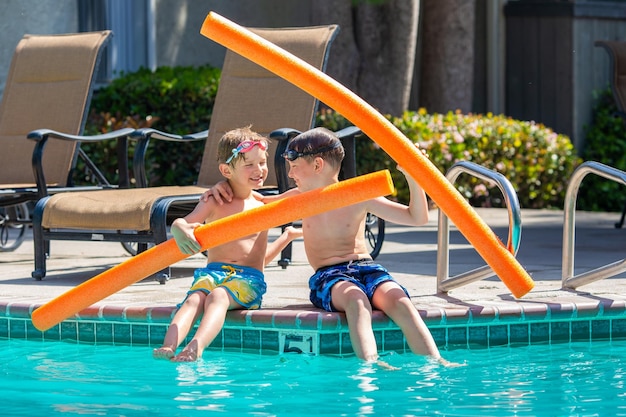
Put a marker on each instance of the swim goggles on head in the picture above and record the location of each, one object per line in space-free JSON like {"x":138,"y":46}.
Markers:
{"x":246,"y":146}
{"x":292,"y":155}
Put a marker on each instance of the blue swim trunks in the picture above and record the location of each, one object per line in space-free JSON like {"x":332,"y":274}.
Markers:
{"x":246,"y":285}
{"x":365,"y":274}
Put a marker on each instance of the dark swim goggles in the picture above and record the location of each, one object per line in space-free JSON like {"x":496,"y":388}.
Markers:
{"x":292,"y":155}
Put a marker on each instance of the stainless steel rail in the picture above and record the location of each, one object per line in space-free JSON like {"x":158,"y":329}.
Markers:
{"x":569,"y":213}
{"x":446,"y":283}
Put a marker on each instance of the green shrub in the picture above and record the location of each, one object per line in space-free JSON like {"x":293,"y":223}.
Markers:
{"x":176,"y":100}
{"x":605,"y":142}
{"x":536,"y":160}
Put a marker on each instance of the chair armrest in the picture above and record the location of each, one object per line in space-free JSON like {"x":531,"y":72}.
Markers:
{"x":147,"y":133}
{"x":143,"y":136}
{"x":284,"y":134}
{"x":41,"y":137}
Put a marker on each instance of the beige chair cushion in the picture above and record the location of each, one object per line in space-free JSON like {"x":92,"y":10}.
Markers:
{"x":126,"y":209}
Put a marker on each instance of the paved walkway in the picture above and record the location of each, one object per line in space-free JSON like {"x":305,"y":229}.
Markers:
{"x":408,"y":252}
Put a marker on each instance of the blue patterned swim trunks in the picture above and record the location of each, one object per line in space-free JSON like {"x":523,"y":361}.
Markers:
{"x":246,"y":285}
{"x":365,"y":274}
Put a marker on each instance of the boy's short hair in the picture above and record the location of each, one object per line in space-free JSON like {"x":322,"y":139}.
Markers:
{"x":318,"y":138}
{"x":231,"y":139}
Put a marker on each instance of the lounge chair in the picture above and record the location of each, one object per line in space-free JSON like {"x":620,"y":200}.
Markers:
{"x":617,"y":55}
{"x":247,"y":95}
{"x":49,"y":85}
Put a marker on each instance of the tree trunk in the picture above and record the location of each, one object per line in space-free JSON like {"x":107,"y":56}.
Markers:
{"x":374,"y":53}
{"x":447,"y":60}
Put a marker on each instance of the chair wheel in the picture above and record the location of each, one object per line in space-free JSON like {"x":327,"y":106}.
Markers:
{"x":162,"y":278}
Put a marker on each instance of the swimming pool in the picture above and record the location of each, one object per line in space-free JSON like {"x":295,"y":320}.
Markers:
{"x":54,"y":378}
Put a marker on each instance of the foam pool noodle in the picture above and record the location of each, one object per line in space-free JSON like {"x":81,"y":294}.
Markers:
{"x":213,"y":234}
{"x":384,"y":133}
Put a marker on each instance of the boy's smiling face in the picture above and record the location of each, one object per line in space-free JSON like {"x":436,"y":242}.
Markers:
{"x":251,"y":169}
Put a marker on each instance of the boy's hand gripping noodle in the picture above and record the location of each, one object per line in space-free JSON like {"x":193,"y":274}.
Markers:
{"x":379,"y":129}
{"x":216,"y":233}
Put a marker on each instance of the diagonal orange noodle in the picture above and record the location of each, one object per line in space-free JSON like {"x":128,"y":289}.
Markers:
{"x":379,"y":129}
{"x":210,"y":235}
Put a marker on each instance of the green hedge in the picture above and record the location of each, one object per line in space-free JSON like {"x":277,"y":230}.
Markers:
{"x":535,"y":159}
{"x":172,"y":99}
{"x":605,"y":142}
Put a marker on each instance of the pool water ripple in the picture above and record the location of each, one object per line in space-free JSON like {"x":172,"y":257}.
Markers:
{"x":569,"y":379}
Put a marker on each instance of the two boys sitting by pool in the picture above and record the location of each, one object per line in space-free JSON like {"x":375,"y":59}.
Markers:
{"x":346,"y":279}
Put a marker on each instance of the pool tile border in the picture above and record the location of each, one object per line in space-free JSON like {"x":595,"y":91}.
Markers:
{"x":320,"y":332}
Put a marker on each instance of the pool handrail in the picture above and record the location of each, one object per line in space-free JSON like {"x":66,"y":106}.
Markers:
{"x":446,"y":283}
{"x":568,"y":279}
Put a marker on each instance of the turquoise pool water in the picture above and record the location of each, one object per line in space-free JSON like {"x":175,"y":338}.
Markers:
{"x":54,"y":378}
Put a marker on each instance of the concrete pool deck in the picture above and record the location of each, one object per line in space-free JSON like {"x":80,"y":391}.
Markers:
{"x":408,"y":252}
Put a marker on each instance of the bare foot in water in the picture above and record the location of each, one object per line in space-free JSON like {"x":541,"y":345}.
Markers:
{"x":449,"y":364}
{"x":186,"y":355}
{"x":164,"y":352}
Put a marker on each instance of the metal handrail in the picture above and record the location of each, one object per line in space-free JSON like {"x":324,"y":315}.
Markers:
{"x":567,"y":270}
{"x":446,"y":283}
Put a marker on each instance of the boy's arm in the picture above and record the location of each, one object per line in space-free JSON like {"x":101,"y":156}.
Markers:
{"x":182,"y":228}
{"x":274,"y":248}
{"x":418,"y":203}
{"x":415,"y":214}
{"x":274,"y":197}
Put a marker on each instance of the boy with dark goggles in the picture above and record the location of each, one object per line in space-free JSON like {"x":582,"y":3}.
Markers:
{"x":292,"y":155}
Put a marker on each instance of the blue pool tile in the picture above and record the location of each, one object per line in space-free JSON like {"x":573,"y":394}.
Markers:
{"x":121,"y":333}
{"x":140,"y":334}
{"x":329,"y":343}
{"x":87,"y":332}
{"x":17,"y":329}
{"x":4,"y":327}
{"x":560,"y":331}
{"x":157,"y":334}
{"x":618,"y":328}
{"x":251,"y":339}
{"x":232,"y":338}
{"x":539,"y":332}
{"x":269,"y":341}
{"x":393,"y":340}
{"x":69,"y":331}
{"x":477,"y":336}
{"x":104,"y":333}
{"x":580,"y":330}
{"x":498,"y":335}
{"x":519,"y":333}
{"x":457,"y":336}
{"x":600,"y":329}
{"x":53,"y":333}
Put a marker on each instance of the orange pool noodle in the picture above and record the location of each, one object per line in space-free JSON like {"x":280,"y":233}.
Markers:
{"x":384,"y":133}
{"x":210,"y":235}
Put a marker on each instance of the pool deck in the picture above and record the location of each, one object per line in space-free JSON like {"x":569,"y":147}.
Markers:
{"x":410,"y":255}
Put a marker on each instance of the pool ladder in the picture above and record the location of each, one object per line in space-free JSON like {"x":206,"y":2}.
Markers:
{"x":446,"y":283}
{"x":569,"y":280}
